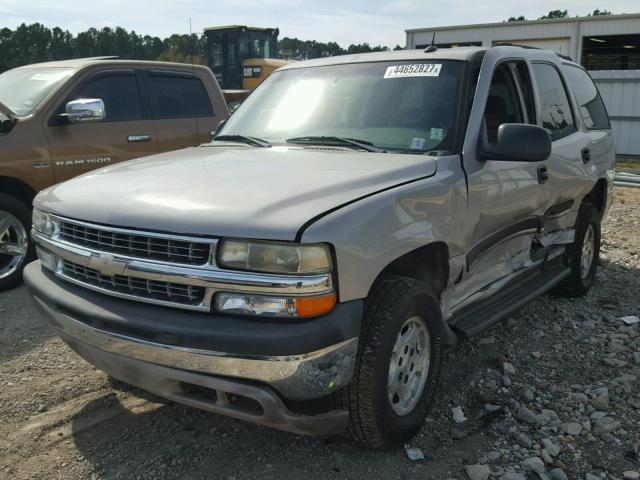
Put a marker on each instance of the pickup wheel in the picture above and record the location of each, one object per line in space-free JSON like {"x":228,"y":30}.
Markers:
{"x":398,"y":364}
{"x":16,"y":249}
{"x":582,"y":254}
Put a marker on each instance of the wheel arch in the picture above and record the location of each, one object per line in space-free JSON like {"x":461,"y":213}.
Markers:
{"x":17,"y":189}
{"x":428,"y":264}
{"x":598,"y":196}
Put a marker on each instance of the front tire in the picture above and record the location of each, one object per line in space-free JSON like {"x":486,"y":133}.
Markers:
{"x":16,"y":249}
{"x":583,"y":254}
{"x":398,"y":364}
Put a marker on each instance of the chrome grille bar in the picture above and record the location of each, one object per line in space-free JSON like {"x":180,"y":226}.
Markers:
{"x":140,"y":288}
{"x":184,"y":251}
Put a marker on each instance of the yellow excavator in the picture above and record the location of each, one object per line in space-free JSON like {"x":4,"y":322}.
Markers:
{"x":241,"y":58}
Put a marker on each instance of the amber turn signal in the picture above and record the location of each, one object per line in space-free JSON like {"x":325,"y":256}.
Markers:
{"x":314,"y":306}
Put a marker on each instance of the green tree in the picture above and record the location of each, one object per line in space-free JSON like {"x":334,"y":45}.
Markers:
{"x":521,"y":18}
{"x":597,"y":12}
{"x":555,"y":14}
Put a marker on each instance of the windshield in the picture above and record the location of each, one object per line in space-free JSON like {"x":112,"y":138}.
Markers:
{"x":22,"y":89}
{"x":402,"y":106}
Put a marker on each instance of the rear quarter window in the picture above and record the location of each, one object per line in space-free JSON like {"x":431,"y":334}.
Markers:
{"x":592,"y":107}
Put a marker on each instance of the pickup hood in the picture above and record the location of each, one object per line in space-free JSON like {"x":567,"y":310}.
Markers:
{"x":266,"y":193}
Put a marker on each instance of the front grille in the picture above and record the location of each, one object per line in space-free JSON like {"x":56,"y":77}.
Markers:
{"x":138,"y":287}
{"x":135,"y":245}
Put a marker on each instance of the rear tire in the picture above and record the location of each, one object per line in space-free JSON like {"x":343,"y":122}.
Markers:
{"x":15,"y":224}
{"x":583,"y":254}
{"x":398,"y":364}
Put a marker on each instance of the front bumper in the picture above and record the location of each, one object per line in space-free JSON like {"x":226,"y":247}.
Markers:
{"x":231,"y":355}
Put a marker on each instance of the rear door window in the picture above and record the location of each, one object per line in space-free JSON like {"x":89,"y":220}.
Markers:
{"x":555,"y":110}
{"x":592,"y":107}
{"x":177,"y":96}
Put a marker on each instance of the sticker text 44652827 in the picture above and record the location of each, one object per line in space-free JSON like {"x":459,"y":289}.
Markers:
{"x":413,"y":70}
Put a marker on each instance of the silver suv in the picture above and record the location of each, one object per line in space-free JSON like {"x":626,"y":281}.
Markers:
{"x":306,"y":269}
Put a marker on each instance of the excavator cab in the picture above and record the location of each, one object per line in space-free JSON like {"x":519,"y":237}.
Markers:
{"x":242,"y":57}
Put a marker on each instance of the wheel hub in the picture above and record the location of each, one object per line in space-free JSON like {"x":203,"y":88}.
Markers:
{"x":14,"y":242}
{"x":588,"y":251}
{"x":409,"y":366}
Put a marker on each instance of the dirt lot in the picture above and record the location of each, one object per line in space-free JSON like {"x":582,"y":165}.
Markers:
{"x":551,"y":393}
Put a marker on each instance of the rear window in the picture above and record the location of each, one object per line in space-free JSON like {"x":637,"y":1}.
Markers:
{"x":592,"y":107}
{"x":175,"y":96}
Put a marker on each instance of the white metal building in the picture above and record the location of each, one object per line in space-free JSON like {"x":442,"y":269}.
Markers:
{"x":607,"y":44}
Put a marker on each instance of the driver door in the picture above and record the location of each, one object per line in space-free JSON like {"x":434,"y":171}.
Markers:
{"x":506,"y":199}
{"x":126,"y":132}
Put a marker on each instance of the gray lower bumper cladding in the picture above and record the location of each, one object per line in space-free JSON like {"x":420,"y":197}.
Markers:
{"x":217,"y":395}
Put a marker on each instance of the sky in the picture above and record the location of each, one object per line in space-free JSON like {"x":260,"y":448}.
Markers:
{"x":344,"y":21}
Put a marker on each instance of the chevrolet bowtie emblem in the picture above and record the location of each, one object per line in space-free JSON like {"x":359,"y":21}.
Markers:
{"x":107,"y":264}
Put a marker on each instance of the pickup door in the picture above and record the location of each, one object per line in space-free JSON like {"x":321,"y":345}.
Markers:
{"x":183,"y":112}
{"x":126,"y":132}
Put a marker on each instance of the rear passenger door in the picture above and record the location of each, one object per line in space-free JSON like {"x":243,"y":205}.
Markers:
{"x":569,"y":169}
{"x":179,"y":104}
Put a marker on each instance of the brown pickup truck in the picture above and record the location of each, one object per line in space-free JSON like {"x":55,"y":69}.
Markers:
{"x":62,"y":119}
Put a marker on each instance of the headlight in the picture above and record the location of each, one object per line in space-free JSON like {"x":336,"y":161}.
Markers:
{"x":274,"y":257}
{"x":42,"y":223}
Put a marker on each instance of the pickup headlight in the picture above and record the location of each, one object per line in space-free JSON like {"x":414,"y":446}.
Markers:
{"x":274,"y":257}
{"x":43,"y":223}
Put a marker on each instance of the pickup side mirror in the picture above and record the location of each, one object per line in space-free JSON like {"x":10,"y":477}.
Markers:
{"x":84,"y":110}
{"x":518,"y":142}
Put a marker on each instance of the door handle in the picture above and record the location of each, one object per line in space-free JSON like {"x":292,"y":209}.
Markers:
{"x":139,"y":138}
{"x":543,"y":174}
{"x":586,"y":155}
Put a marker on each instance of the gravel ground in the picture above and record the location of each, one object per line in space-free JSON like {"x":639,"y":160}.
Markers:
{"x":551,"y":393}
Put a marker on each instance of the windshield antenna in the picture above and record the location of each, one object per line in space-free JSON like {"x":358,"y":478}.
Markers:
{"x":432,"y":47}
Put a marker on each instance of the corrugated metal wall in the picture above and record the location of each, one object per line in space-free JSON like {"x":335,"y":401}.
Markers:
{"x":620,"y":91}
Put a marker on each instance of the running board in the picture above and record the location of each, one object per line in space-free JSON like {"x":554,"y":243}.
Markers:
{"x":520,"y":291}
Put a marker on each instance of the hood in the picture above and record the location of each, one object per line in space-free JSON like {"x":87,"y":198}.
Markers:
{"x":266,"y":193}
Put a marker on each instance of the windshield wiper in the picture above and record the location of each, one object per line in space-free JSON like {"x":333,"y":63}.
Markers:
{"x":331,"y":140}
{"x":257,"y":142}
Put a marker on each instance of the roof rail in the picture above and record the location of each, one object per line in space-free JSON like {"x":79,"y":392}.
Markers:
{"x":103,"y":57}
{"x":529,"y":47}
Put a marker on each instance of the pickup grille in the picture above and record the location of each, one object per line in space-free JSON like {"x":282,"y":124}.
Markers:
{"x":135,"y":245}
{"x":137,"y":287}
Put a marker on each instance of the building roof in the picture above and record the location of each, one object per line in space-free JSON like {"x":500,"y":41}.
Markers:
{"x":527,"y":22}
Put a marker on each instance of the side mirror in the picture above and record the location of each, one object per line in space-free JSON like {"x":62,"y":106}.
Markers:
{"x":85,"y":110}
{"x":518,"y":142}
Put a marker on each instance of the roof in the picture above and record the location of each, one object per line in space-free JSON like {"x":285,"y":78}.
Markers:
{"x":527,"y":22}
{"x":458,"y":53}
{"x":85,"y":62}
{"x":229,"y":27}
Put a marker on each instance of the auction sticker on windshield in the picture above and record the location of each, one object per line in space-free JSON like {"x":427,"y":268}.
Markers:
{"x":413,"y":70}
